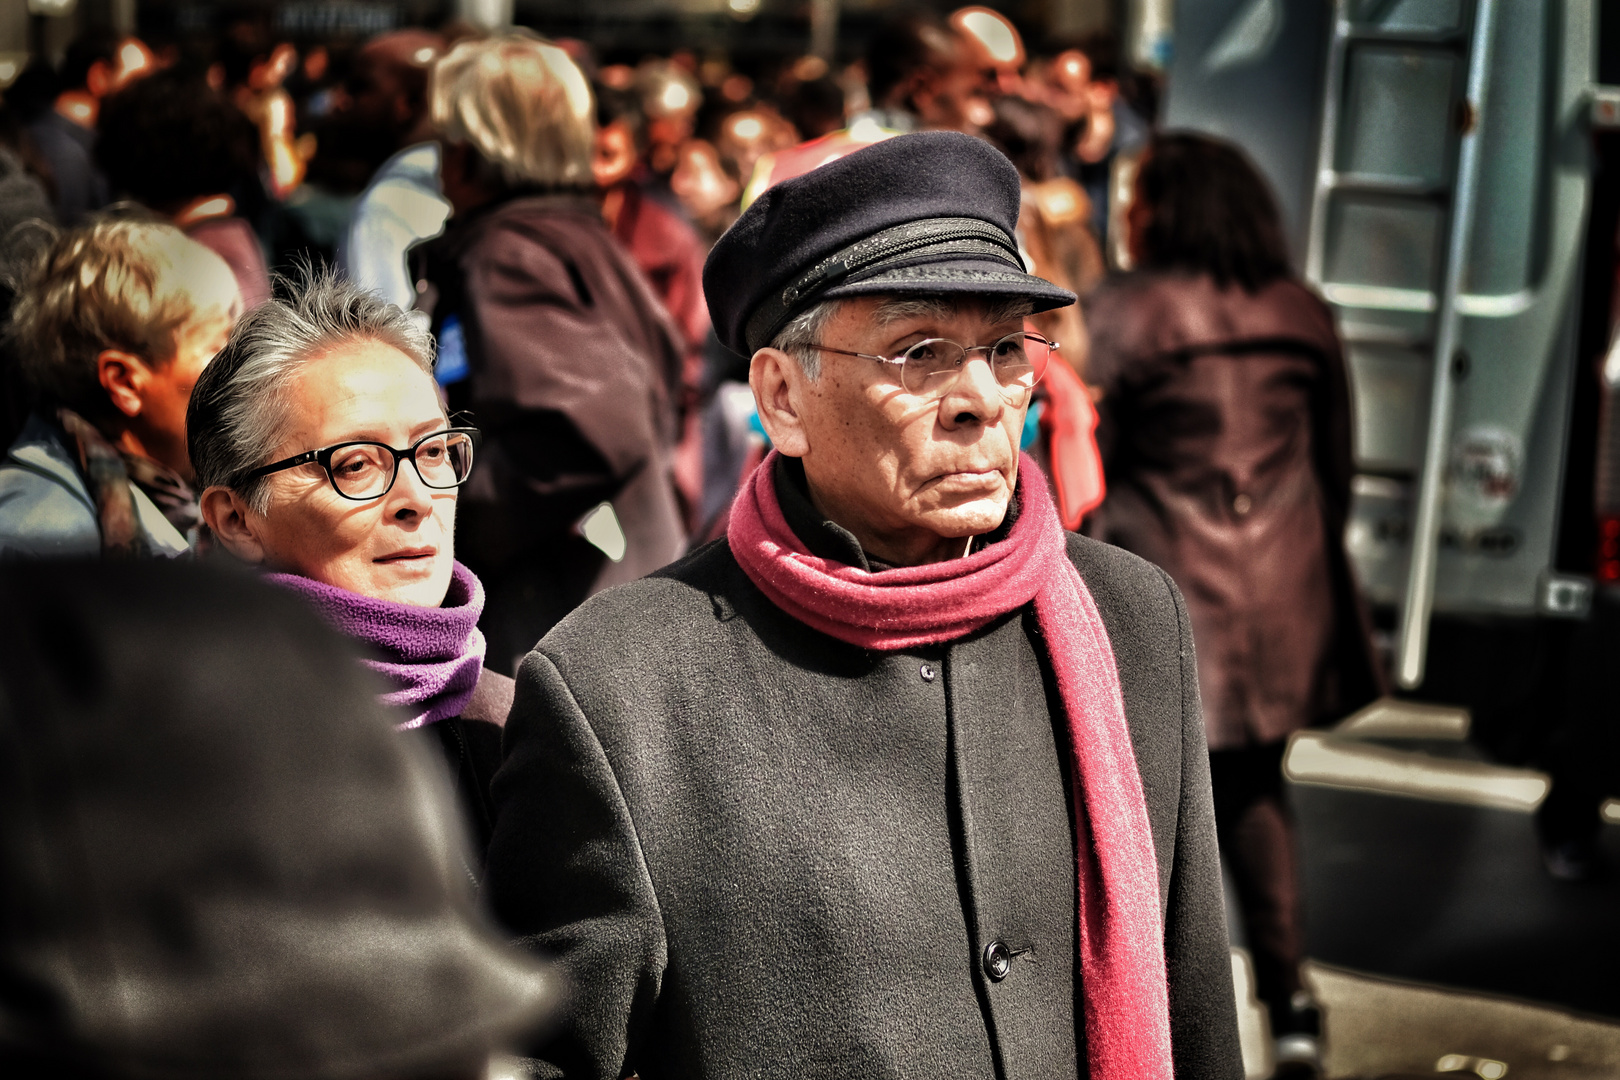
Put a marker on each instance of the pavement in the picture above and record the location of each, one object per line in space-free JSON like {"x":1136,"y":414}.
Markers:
{"x":1438,"y":941}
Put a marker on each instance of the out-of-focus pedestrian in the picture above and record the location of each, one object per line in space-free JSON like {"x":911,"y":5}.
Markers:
{"x":666,"y":247}
{"x":1054,"y":223}
{"x":898,"y":779}
{"x":573,"y":367}
{"x":22,"y":196}
{"x":994,"y":46}
{"x":301,"y":431}
{"x":218,"y":861}
{"x":402,"y":205}
{"x":1227,"y":450}
{"x":1056,"y":238}
{"x":96,"y":65}
{"x":1107,"y":133}
{"x":920,"y":76}
{"x":112,"y":328}
{"x":812,"y":100}
{"x":26,"y":216}
{"x":669,"y":252}
{"x":178,"y":147}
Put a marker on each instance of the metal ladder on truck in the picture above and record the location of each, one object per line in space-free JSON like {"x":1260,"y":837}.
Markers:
{"x":1445,"y":228}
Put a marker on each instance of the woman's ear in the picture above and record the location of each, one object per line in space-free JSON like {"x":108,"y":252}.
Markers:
{"x":228,"y":518}
{"x":776,"y":378}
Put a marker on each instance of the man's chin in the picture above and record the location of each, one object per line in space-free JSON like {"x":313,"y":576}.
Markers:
{"x":971,"y":518}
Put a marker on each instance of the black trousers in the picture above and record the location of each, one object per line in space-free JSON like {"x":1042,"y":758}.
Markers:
{"x":1256,"y":832}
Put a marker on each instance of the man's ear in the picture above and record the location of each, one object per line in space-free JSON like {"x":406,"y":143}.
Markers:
{"x":123,"y":375}
{"x":228,"y":519}
{"x":777,"y":380}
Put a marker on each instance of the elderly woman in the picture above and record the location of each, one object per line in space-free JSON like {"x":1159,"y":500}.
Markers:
{"x":326,"y":459}
{"x":572,"y":363}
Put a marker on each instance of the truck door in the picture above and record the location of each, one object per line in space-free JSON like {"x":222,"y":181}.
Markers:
{"x":1441,"y":200}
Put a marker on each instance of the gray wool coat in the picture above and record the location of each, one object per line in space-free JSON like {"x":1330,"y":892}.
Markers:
{"x":755,"y":850}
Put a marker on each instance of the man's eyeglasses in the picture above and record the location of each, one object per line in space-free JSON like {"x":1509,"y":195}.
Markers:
{"x":363,"y":471}
{"x":931,"y":367}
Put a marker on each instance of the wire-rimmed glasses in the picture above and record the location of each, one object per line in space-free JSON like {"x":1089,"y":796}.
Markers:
{"x":363,"y":471}
{"x":931,"y":367}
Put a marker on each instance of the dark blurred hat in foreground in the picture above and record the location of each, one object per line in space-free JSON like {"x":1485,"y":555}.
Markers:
{"x":924,"y":214}
{"x":216,"y":859}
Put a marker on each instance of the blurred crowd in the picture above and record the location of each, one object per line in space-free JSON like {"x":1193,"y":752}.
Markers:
{"x":506,"y":236}
{"x":276,"y":158}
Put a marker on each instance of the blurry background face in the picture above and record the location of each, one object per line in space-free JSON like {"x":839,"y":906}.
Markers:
{"x":398,"y":547}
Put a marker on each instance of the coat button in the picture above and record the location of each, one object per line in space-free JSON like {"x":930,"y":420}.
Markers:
{"x":997,"y":960}
{"x":927,"y":672}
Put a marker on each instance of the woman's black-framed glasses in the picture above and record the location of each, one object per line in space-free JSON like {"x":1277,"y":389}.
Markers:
{"x":363,"y":471}
{"x":931,"y":367}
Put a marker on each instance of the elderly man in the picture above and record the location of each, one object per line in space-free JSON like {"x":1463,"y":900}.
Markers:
{"x":898,"y":779}
{"x":113,"y":326}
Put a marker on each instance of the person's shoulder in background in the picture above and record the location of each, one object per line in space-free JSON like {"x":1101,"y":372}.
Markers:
{"x":45,"y":509}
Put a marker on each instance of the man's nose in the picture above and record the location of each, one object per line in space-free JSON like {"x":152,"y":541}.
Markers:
{"x":976,"y":395}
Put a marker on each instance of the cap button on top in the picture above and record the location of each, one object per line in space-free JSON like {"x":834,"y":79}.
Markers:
{"x":997,"y":960}
{"x":927,"y":672}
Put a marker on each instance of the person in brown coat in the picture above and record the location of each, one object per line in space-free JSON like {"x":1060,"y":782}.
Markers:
{"x":1226,"y":446}
{"x":573,"y":365}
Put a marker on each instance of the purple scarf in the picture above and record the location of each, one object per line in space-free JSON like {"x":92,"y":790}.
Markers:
{"x":432,"y":655}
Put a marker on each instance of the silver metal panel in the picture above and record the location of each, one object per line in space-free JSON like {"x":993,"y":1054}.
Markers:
{"x":1407,"y":14}
{"x":1391,"y":243}
{"x":1391,"y":385}
{"x":1397,"y":116}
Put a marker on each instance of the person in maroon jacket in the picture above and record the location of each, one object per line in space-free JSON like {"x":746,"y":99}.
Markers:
{"x":1226,"y":446}
{"x":573,"y":366}
{"x":670,"y":252}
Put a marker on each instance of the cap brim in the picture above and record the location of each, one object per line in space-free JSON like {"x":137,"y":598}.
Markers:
{"x":987,"y":277}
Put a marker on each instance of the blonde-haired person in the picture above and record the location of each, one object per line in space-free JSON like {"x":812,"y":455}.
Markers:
{"x":112,"y":326}
{"x":571,"y":364}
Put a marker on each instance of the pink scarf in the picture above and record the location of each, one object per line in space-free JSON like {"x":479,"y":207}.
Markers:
{"x":1121,"y":940}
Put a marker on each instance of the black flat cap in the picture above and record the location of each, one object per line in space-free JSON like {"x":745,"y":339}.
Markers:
{"x":217,"y":857}
{"x":929,"y":213}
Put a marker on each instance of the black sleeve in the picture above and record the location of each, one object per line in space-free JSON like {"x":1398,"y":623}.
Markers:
{"x":1197,"y":953}
{"x":565,"y":873}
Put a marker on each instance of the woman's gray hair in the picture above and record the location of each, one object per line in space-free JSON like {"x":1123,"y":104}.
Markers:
{"x":803,"y":332}
{"x":239,"y":410}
